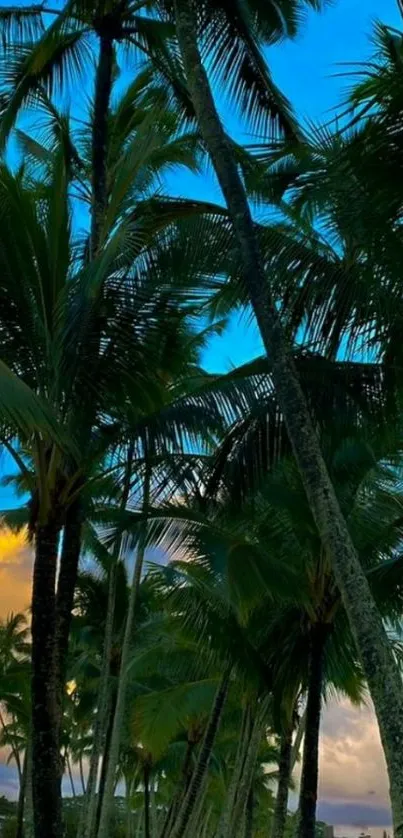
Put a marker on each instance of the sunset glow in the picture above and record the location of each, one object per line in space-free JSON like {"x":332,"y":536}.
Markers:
{"x":12,"y":544}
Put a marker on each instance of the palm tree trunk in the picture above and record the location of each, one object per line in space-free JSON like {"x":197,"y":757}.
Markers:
{"x":105,"y":759}
{"x":70,"y":773}
{"x":295,"y":751}
{"x":248,"y":768}
{"x":154,"y":818}
{"x":88,"y":823}
{"x":21,"y":798}
{"x":107,"y":800}
{"x":284,"y":776}
{"x":13,"y":746}
{"x":380,"y":668}
{"x":244,"y":737}
{"x":180,"y":793}
{"x":310,"y":765}
{"x":47,"y":764}
{"x":29,"y":807}
{"x":129,"y":813}
{"x":250,"y":806}
{"x":89,"y":814}
{"x":82,"y":778}
{"x":146,"y":780}
{"x":103,"y":88}
{"x":196,"y":784}
{"x":69,"y":559}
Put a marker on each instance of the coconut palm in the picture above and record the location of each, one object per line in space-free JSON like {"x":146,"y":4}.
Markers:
{"x":53,"y":470}
{"x":15,"y":702}
{"x":192,"y":25}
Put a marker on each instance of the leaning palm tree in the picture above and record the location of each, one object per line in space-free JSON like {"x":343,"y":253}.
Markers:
{"x":203,"y":24}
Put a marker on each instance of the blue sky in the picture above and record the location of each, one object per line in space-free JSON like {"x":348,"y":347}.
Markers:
{"x":311,"y":71}
{"x":353,"y":779}
{"x":308,"y":70}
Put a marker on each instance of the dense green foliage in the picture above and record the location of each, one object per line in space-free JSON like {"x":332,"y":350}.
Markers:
{"x":197,"y":592}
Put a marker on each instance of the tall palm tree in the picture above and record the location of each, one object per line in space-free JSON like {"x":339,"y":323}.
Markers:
{"x":65,"y":372}
{"x":204,"y":22}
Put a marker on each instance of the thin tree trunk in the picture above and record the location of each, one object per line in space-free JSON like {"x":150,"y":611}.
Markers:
{"x":13,"y":746}
{"x":99,"y":148}
{"x":203,"y":761}
{"x":107,"y":800}
{"x":250,"y":806}
{"x":284,"y":777}
{"x":298,"y":740}
{"x":129,"y":813}
{"x":146,"y":780}
{"x":105,"y":760}
{"x":380,"y":668}
{"x":180,"y":793}
{"x":205,"y":832}
{"x":310,"y":765}
{"x":103,"y":88}
{"x":47,"y":764}
{"x":154,"y":819}
{"x":244,"y":738}
{"x":66,"y":584}
{"x":21,"y":798}
{"x":29,"y":807}
{"x":70,"y":773}
{"x":81,"y":769}
{"x":88,"y":822}
{"x":249,"y":767}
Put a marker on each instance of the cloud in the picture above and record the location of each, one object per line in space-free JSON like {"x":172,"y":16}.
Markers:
{"x":15,"y":572}
{"x":353,"y":782}
{"x":352,"y":764}
{"x":353,"y":785}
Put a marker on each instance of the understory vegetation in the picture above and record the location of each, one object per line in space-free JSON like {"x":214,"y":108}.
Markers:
{"x":215,"y":554}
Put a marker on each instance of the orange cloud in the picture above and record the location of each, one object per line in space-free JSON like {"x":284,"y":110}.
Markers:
{"x":15,"y":571}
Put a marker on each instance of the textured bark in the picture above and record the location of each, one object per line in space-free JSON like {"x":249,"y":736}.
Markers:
{"x":284,"y":776}
{"x":99,"y":143}
{"x":310,"y":766}
{"x":21,"y":798}
{"x":103,"y":88}
{"x":381,"y":671}
{"x":196,"y":784}
{"x":47,"y":764}
{"x":113,"y":757}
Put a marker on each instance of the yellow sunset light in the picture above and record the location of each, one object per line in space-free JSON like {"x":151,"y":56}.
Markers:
{"x":11,"y":543}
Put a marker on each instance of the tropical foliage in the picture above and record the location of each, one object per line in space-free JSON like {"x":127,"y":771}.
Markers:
{"x":215,"y":554}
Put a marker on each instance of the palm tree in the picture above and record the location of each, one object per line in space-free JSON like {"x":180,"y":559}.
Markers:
{"x":380,"y":667}
{"x":53,"y":471}
{"x":15,"y":701}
